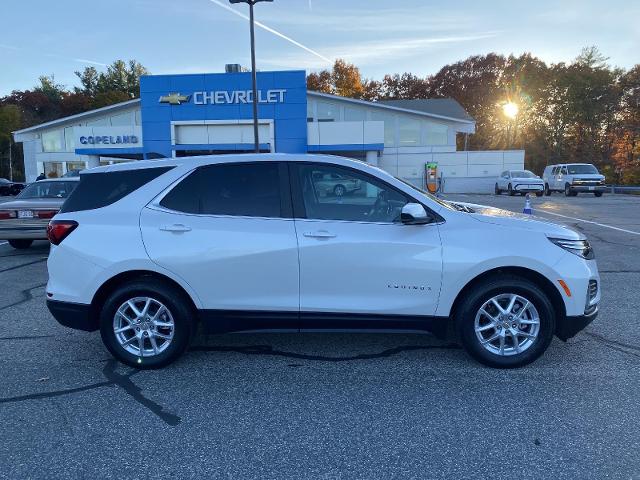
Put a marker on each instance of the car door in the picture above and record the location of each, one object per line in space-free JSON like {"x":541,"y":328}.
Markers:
{"x":226,"y":229}
{"x":357,"y":260}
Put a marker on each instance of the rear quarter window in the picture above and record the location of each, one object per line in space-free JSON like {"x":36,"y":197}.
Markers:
{"x":97,"y":190}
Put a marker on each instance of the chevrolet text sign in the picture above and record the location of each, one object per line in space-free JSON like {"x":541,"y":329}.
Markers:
{"x":237,"y":96}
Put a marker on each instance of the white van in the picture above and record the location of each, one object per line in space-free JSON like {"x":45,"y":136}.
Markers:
{"x":573,"y":178}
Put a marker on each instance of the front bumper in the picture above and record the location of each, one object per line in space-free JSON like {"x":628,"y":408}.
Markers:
{"x":526,"y":187}
{"x":570,"y":326}
{"x":73,"y":315}
{"x":588,"y":188}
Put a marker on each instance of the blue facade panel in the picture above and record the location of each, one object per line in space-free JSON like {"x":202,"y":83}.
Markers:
{"x":224,"y":96}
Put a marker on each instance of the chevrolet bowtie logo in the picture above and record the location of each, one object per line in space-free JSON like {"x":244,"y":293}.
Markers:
{"x":174,"y":99}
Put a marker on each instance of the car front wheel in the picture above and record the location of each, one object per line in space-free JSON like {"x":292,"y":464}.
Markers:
{"x":146,"y":324}
{"x":505,"y":322}
{"x":547,"y":191}
{"x":511,"y":192}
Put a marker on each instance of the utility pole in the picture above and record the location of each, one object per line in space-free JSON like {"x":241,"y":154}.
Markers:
{"x":254,"y":82}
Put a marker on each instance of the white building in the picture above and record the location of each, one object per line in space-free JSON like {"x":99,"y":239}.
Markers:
{"x":182,"y":115}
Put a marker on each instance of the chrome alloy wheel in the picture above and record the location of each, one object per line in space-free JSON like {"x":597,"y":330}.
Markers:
{"x":507,"y":324}
{"x":143,"y":326}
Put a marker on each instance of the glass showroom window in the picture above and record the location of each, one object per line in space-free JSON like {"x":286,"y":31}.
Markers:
{"x":389,"y":127}
{"x":352,"y":114}
{"x":328,"y":112}
{"x":437,"y":134}
{"x":53,"y":169}
{"x":52,"y":141}
{"x":76,"y":167}
{"x":69,"y":140}
{"x":409,"y":131}
{"x":124,"y":119}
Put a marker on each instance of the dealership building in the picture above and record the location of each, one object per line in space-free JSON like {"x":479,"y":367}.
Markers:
{"x":201,"y":114}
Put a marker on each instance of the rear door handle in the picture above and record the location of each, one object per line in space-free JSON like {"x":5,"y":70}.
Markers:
{"x":176,"y":227}
{"x":319,"y":234}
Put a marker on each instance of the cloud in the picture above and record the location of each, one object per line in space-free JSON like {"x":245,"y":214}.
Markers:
{"x":52,"y":55}
{"x":274,"y":32}
{"x":366,"y":53}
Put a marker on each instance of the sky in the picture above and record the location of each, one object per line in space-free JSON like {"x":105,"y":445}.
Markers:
{"x":187,"y":36}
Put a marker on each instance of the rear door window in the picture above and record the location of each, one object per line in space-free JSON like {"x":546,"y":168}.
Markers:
{"x":244,"y":189}
{"x":97,"y":190}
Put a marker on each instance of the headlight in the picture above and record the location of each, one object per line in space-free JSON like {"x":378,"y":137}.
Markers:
{"x":582,"y":248}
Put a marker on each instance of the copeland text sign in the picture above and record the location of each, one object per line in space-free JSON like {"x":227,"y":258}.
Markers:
{"x":107,"y":137}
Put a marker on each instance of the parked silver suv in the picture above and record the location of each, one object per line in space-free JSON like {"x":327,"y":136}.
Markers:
{"x":573,"y":178}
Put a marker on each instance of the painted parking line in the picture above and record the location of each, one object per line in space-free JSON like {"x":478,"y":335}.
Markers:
{"x":589,"y":221}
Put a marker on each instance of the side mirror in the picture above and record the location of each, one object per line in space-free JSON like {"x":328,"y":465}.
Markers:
{"x":414,"y":214}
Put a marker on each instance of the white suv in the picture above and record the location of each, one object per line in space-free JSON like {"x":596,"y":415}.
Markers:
{"x":145,"y":251}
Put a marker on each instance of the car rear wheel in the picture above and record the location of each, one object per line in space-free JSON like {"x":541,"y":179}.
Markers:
{"x":146,"y":324}
{"x":598,"y":194}
{"x":505,"y":322}
{"x":497,"y":190}
{"x":20,"y":244}
{"x":547,"y":191}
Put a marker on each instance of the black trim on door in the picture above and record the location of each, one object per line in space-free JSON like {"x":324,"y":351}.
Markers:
{"x":286,"y":202}
{"x":227,"y":321}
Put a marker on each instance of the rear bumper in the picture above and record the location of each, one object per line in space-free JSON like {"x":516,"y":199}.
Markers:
{"x":570,"y":326}
{"x":26,"y":232}
{"x":73,"y":315}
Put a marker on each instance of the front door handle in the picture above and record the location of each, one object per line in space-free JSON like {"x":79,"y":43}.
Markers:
{"x":319,"y":234}
{"x":176,"y":227}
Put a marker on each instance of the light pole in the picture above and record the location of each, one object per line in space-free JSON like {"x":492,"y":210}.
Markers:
{"x":254,"y":82}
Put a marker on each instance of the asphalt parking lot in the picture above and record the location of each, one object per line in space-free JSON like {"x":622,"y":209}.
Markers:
{"x":329,"y":405}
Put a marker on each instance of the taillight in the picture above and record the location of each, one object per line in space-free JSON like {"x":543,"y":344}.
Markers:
{"x":58,"y":230}
{"x":7,"y":214}
{"x":46,"y":213}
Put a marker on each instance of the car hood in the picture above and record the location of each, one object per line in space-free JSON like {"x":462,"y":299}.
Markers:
{"x":532,"y":223}
{"x":588,"y":176}
{"x":35,"y":203}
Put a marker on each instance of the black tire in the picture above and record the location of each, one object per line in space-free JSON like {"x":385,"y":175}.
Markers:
{"x":497,"y":190}
{"x":339,"y":190}
{"x":598,"y":194}
{"x":510,"y":190}
{"x":567,"y":191}
{"x":175,"y":301}
{"x":539,"y":194}
{"x":20,"y":244}
{"x":547,"y":192}
{"x":465,"y":314}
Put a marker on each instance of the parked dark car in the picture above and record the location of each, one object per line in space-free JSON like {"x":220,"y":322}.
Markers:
{"x":8,"y":187}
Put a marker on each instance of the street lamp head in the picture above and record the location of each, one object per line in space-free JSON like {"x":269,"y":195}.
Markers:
{"x":511,"y":110}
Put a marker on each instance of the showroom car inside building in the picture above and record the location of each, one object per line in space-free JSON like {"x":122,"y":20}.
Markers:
{"x":200,"y":114}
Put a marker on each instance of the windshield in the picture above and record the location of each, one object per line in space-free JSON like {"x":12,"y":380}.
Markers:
{"x":44,"y":189}
{"x":522,"y":174}
{"x":573,"y":169}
